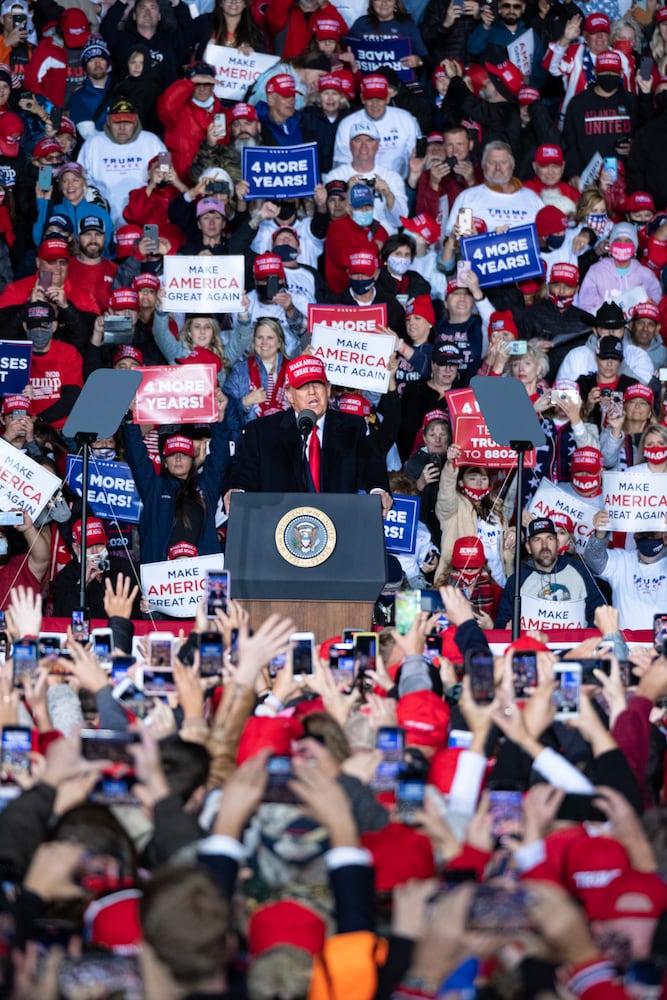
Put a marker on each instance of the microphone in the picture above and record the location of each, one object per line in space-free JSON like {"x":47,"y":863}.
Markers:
{"x":305,"y":421}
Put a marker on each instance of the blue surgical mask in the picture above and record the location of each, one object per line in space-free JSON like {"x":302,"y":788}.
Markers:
{"x":108,"y":454}
{"x":4,"y":546}
{"x":363,"y":217}
{"x":399,"y":265}
{"x":360,"y":286}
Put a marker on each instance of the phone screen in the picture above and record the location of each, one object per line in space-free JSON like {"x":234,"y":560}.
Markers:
{"x":108,"y":744}
{"x":341,"y":662}
{"x":480,"y":669}
{"x":120,"y":666}
{"x":279,"y":772}
{"x":16,"y":749}
{"x":588,"y":666}
{"x":80,"y":625}
{"x":210,"y":653}
{"x":524,"y":672}
{"x":160,"y":651}
{"x":158,"y":681}
{"x":409,"y":798}
{"x":660,"y":631}
{"x":567,"y":694}
{"x":302,"y":654}
{"x":25,"y":660}
{"x":506,"y":810}
{"x":217,"y":592}
{"x":365,"y":652}
{"x":496,"y":906}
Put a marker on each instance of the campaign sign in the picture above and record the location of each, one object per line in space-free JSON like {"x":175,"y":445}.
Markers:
{"x":112,"y":493}
{"x":472,"y":435}
{"x":204,"y":284}
{"x":349,"y":319}
{"x":400,"y":525}
{"x":636,"y":500}
{"x":176,"y":394}
{"x":502,"y":258}
{"x":24,"y":483}
{"x":550,"y":499}
{"x":176,"y":586}
{"x":374,"y":51}
{"x":521,"y":51}
{"x":280,"y":171}
{"x":358,"y":361}
{"x":14,"y":367}
{"x":235,"y":71}
{"x":541,"y":613}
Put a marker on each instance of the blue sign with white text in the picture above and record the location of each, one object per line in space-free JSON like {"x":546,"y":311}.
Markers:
{"x":277,"y":172}
{"x":374,"y":51}
{"x":502,"y":258}
{"x":14,"y":366}
{"x":111,"y":490}
{"x":400,"y":525}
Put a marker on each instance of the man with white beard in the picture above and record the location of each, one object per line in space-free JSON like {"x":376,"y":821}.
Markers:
{"x":245,"y":130}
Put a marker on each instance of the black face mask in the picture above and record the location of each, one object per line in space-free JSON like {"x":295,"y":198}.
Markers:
{"x":609,"y":82}
{"x":360,"y":286}
{"x":286,"y":252}
{"x":649,"y":547}
{"x":661,"y":101}
{"x":555,"y":242}
{"x":287,"y":211}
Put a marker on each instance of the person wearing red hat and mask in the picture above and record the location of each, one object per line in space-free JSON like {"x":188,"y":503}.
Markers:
{"x":586,"y":467}
{"x":100,"y":567}
{"x":55,"y":69}
{"x":555,"y":321}
{"x":358,"y":231}
{"x":467,"y":571}
{"x":619,"y":440}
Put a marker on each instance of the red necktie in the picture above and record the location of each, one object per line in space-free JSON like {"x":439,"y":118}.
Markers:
{"x":314,"y":456}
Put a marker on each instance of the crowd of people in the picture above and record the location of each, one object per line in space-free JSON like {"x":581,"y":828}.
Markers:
{"x":434,"y":816}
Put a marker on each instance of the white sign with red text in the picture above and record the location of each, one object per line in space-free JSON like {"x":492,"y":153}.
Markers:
{"x":24,"y":483}
{"x":357,"y":361}
{"x":235,"y":71}
{"x":550,"y":499}
{"x":204,"y":284}
{"x":636,"y":500}
{"x":176,"y":586}
{"x":176,"y":394}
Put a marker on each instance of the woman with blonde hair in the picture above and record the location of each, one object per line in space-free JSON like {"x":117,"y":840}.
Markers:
{"x":257,"y":382}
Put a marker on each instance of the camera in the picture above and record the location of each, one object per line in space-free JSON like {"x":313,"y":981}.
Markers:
{"x":451,"y":162}
{"x":368,"y":181}
{"x":218,"y":187}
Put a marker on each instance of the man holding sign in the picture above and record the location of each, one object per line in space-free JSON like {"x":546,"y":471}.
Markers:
{"x":555,"y":593}
{"x":287,"y":453}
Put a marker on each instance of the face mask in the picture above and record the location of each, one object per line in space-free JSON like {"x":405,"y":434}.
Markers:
{"x":561,"y":301}
{"x":100,"y":559}
{"x":655,"y":454}
{"x":649,"y":547}
{"x":4,"y":546}
{"x":107,"y":454}
{"x":590,"y":486}
{"x":40,"y":338}
{"x":622,"y":253}
{"x":363,"y":217}
{"x":399,"y":265}
{"x":555,"y":242}
{"x":608,"y":82}
{"x":286,"y":252}
{"x":661,"y":101}
{"x":361,"y":286}
{"x":562,"y":549}
{"x":625,"y":46}
{"x":286,"y":211}
{"x":204,"y":104}
{"x":476,"y":494}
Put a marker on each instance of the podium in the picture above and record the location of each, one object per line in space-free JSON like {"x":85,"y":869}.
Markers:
{"x":318,"y":558}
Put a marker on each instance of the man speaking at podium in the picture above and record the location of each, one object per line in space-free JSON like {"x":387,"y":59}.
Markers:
{"x":309,"y":448}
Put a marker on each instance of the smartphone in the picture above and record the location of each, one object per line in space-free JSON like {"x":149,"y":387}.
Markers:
{"x":420,"y":147}
{"x":211,"y":648}
{"x":660,"y":632}
{"x":479,"y":667}
{"x":406,"y":608}
{"x":11,"y":518}
{"x":133,"y":698}
{"x":16,"y":744}
{"x":409,"y":799}
{"x":160,"y":649}
{"x":217,"y":591}
{"x":151,"y":233}
{"x":349,"y":634}
{"x":645,"y":67}
{"x":272,"y":286}
{"x":662,"y":374}
{"x":463,"y":267}
{"x":19,"y":21}
{"x":157,"y":680}
{"x":610,"y":167}
{"x":301,"y":644}
{"x":391,"y":741}
{"x":495,"y":906}
{"x":115,"y":975}
{"x":524,"y":672}
{"x":433,"y":644}
{"x":506,"y":811}
{"x":45,"y":177}
{"x":115,"y":790}
{"x":341,"y":662}
{"x":45,"y":280}
{"x":279,"y":772}
{"x":460,"y":739}
{"x":517,"y":347}
{"x":25,"y":660}
{"x":80,"y":622}
{"x":577,"y":807}
{"x":464,"y":221}
{"x":117,"y":330}
{"x":591,"y":664}
{"x":628,"y":676}
{"x":102,"y":643}
{"x":49,"y":645}
{"x":220,"y":123}
{"x":56,"y":116}
{"x":108,"y":744}
{"x":365,"y":651}
{"x":120,"y":666}
{"x":164,"y":161}
{"x":568,"y":692}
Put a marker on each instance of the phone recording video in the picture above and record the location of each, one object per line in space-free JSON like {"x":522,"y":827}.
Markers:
{"x":568,"y":692}
{"x":391,"y":741}
{"x":524,"y":672}
{"x":210,"y":654}
{"x":409,"y":800}
{"x":279,"y":772}
{"x":81,"y":625}
{"x":16,"y":746}
{"x":217,"y":592}
{"x":160,"y":650}
{"x":25,"y":660}
{"x":301,"y":644}
{"x":479,"y":667}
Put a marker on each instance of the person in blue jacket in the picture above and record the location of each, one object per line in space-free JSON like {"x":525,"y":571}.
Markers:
{"x":180,"y":503}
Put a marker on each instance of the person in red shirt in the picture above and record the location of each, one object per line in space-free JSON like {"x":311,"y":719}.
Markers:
{"x":89,"y":270}
{"x":187,"y":109}
{"x":56,"y":369}
{"x":150,"y":204}
{"x":26,"y":569}
{"x":294,"y":18}
{"x":356,"y":231}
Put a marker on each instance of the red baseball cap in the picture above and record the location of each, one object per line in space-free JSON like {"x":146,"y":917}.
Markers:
{"x":15,"y":402}
{"x":374,"y":86}
{"x":423,"y":225}
{"x":548,"y":154}
{"x":182,"y":550}
{"x":434,"y":415}
{"x":639,"y":201}
{"x":646,"y":310}
{"x":586,"y":460}
{"x":124,"y":298}
{"x":503,"y":321}
{"x":597,"y":22}
{"x":127,"y":351}
{"x":266,"y":264}
{"x":567,"y":274}
{"x":126,"y":239}
{"x":400,"y":853}
{"x":74,"y":27}
{"x":468,"y":553}
{"x":609,"y":62}
{"x":286,"y":923}
{"x":550,"y":220}
{"x":244,"y":111}
{"x":306,"y":368}
{"x":53,"y":249}
{"x":145,"y":280}
{"x":95,"y":532}
{"x":425,"y":718}
{"x":282,"y":84}
{"x":639,"y":391}
{"x":363,"y":262}
{"x":178,"y":444}
{"x":421,"y":306}
{"x":355,"y":403}
{"x":508,"y":74}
